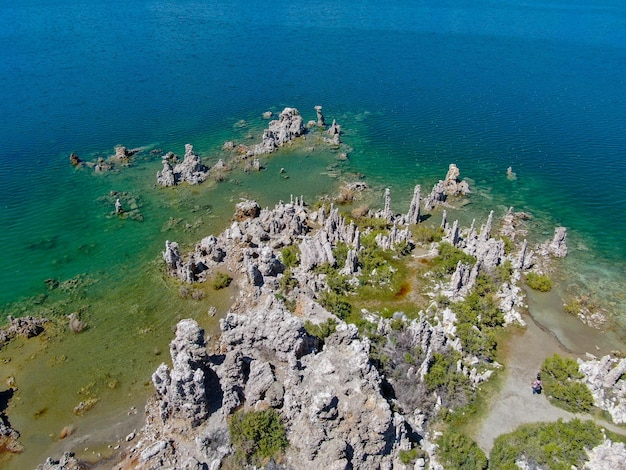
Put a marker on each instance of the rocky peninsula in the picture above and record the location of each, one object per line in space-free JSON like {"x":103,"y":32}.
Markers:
{"x":339,"y":407}
{"x":341,"y":382}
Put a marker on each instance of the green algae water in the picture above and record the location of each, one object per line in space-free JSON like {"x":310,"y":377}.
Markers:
{"x":416,"y":87}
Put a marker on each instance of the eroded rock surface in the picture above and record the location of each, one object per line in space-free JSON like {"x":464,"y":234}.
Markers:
{"x":287,"y":127}
{"x":606,"y":378}
{"x":190,"y":170}
{"x":450,"y":186}
{"x":27,"y":326}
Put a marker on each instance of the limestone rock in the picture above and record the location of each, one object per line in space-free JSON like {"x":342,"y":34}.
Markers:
{"x":181,"y":390}
{"x":191,"y":170}
{"x":607,"y":381}
{"x":315,"y":251}
{"x":320,"y":117}
{"x":413,"y":216}
{"x":247,"y":210}
{"x":451,"y":186}
{"x":270,"y":327}
{"x":67,"y":462}
{"x":166,"y":176}
{"x":337,"y":401}
{"x":287,"y":127}
{"x":608,"y":455}
{"x":27,"y":326}
{"x":557,"y":247}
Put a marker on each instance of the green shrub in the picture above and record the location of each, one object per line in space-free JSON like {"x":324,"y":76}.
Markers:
{"x":558,"y":445}
{"x":509,"y":245}
{"x":257,"y":436}
{"x":403,"y":248}
{"x":503,"y":272}
{"x":321,"y":330}
{"x":221,"y":281}
{"x":477,"y":315}
{"x":538,"y":282}
{"x":287,"y":281}
{"x":423,"y":234}
{"x":560,"y":377}
{"x":289,"y":255}
{"x":409,"y":456}
{"x":451,"y":385}
{"x":336,"y":304}
{"x":572,"y":307}
{"x":457,"y":451}
{"x":448,"y":257}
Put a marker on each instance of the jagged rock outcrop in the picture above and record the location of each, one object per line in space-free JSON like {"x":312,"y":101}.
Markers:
{"x":9,"y":437}
{"x":490,"y":253}
{"x":334,"y":131}
{"x":395,"y":237}
{"x":315,"y":251}
{"x":335,"y":399}
{"x":191,"y":170}
{"x":387,"y":214}
{"x":247,"y":210}
{"x":246,"y":239}
{"x":68,"y":461}
{"x":413,"y":216}
{"x":181,"y":390}
{"x":463,"y":280}
{"x":451,"y":186}
{"x":27,"y":326}
{"x":557,"y":247}
{"x":287,"y":127}
{"x":608,"y":455}
{"x":321,"y":122}
{"x":351,"y":266}
{"x":328,"y":401}
{"x":606,"y":378}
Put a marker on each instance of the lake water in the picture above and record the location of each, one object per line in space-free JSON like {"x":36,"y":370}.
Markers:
{"x":537,"y":86}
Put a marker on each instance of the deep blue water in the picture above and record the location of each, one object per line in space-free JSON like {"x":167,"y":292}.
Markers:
{"x":536,"y":85}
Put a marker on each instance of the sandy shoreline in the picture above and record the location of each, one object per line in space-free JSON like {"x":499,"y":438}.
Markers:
{"x":515,"y":404}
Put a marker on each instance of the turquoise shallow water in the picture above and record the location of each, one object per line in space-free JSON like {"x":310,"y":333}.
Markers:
{"x":487,"y":85}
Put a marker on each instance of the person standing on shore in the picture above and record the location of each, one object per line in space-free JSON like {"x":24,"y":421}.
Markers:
{"x":537,"y":386}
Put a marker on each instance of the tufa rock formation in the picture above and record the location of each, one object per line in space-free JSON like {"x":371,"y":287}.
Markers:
{"x":190,"y":170}
{"x":606,"y":378}
{"x":451,"y":186}
{"x":287,"y":127}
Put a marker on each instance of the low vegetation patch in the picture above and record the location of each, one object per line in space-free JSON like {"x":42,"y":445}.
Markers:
{"x":561,"y":382}
{"x":477,"y":317}
{"x":538,"y":282}
{"x":447,"y":259}
{"x":409,"y":456}
{"x":321,"y":330}
{"x":424,"y":234}
{"x":558,"y":446}
{"x":257,"y":436}
{"x":452,"y":386}
{"x":290,"y":256}
{"x":457,"y":451}
{"x":221,"y":281}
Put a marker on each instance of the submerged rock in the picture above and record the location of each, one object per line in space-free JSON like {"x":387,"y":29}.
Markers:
{"x":557,"y":247}
{"x":27,"y":326}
